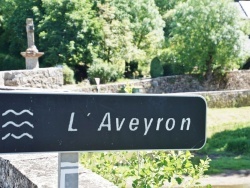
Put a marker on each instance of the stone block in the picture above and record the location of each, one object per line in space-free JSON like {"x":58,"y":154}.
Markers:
{"x":36,"y":78}
{"x":11,"y":177}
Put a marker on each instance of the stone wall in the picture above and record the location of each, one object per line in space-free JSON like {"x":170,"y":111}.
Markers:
{"x":225,"y":99}
{"x":236,"y":80}
{"x":50,"y":78}
{"x":11,"y":177}
{"x":233,"y":90}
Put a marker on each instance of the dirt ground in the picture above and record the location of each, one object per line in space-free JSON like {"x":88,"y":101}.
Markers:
{"x":233,"y":179}
{"x":42,"y":169}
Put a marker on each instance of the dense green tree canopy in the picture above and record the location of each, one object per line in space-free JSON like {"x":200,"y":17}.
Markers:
{"x":206,"y":36}
{"x":198,"y":36}
{"x":13,"y":36}
{"x":65,"y":31}
{"x":132,"y":31}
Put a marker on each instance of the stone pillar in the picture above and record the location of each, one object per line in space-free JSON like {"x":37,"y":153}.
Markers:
{"x":32,"y":54}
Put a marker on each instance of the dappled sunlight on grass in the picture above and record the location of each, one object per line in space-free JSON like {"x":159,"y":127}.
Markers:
{"x":228,"y":149}
{"x":227,"y":119}
{"x":230,"y":141}
{"x":219,"y":116}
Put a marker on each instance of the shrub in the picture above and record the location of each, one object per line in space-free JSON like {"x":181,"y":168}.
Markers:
{"x":105,"y":71}
{"x":156,"y":68}
{"x":173,"y":69}
{"x":170,"y":65}
{"x":132,"y":70}
{"x":8,"y":62}
{"x":68,"y":75}
{"x":147,"y":169}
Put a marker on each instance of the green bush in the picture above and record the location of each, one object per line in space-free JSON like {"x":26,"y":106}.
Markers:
{"x":147,"y":169}
{"x":170,"y":65}
{"x":8,"y":62}
{"x":173,"y":69}
{"x":105,"y":71}
{"x":68,"y":75}
{"x":132,"y":70}
{"x":156,"y":68}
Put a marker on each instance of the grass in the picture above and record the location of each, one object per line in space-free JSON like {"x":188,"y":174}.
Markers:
{"x":222,"y":164}
{"x":227,"y":119}
{"x":228,"y":143}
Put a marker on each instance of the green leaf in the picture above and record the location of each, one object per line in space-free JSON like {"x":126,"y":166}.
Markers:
{"x":179,"y":180}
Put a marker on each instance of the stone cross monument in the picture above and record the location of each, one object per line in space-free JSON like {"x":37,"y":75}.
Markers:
{"x":31,"y":55}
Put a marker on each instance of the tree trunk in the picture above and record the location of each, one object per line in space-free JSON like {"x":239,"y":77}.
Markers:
{"x":209,"y":70}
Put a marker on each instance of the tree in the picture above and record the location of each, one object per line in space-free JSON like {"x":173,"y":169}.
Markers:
{"x":166,"y":5}
{"x":14,"y":14}
{"x":146,"y":24}
{"x":66,"y":30}
{"x":115,"y":45}
{"x":80,"y":32}
{"x":206,"y":36}
{"x":132,"y":31}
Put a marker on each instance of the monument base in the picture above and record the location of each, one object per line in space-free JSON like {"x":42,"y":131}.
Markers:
{"x":31,"y":60}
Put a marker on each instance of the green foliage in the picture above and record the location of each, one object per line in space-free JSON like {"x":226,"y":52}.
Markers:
{"x":108,"y":165}
{"x":206,"y":36}
{"x":147,"y":169}
{"x":105,"y":71}
{"x":145,"y":22}
{"x":132,"y":70}
{"x":173,"y":69}
{"x":83,"y":31}
{"x":131,"y":31}
{"x":231,"y":141}
{"x":239,"y":145}
{"x":201,"y":36}
{"x":222,"y":164}
{"x":246,"y":26}
{"x":115,"y":45}
{"x":166,"y":5}
{"x":66,"y":30}
{"x":157,"y":167}
{"x":229,"y":149}
{"x":128,"y":88}
{"x":156,"y":69}
{"x":68,"y":75}
{"x":170,"y":65}
{"x":14,"y":25}
{"x":8,"y":62}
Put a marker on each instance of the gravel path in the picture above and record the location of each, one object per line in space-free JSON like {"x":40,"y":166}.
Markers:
{"x":42,"y":170}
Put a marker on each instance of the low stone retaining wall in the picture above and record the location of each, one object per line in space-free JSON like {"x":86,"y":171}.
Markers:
{"x":225,"y":99}
{"x":236,"y":80}
{"x":49,"y":78}
{"x":231,"y":91}
{"x":11,"y":177}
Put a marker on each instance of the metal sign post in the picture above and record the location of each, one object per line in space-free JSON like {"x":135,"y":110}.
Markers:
{"x":68,"y":170}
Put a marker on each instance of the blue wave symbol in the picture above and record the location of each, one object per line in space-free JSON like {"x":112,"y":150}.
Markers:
{"x":17,"y":113}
